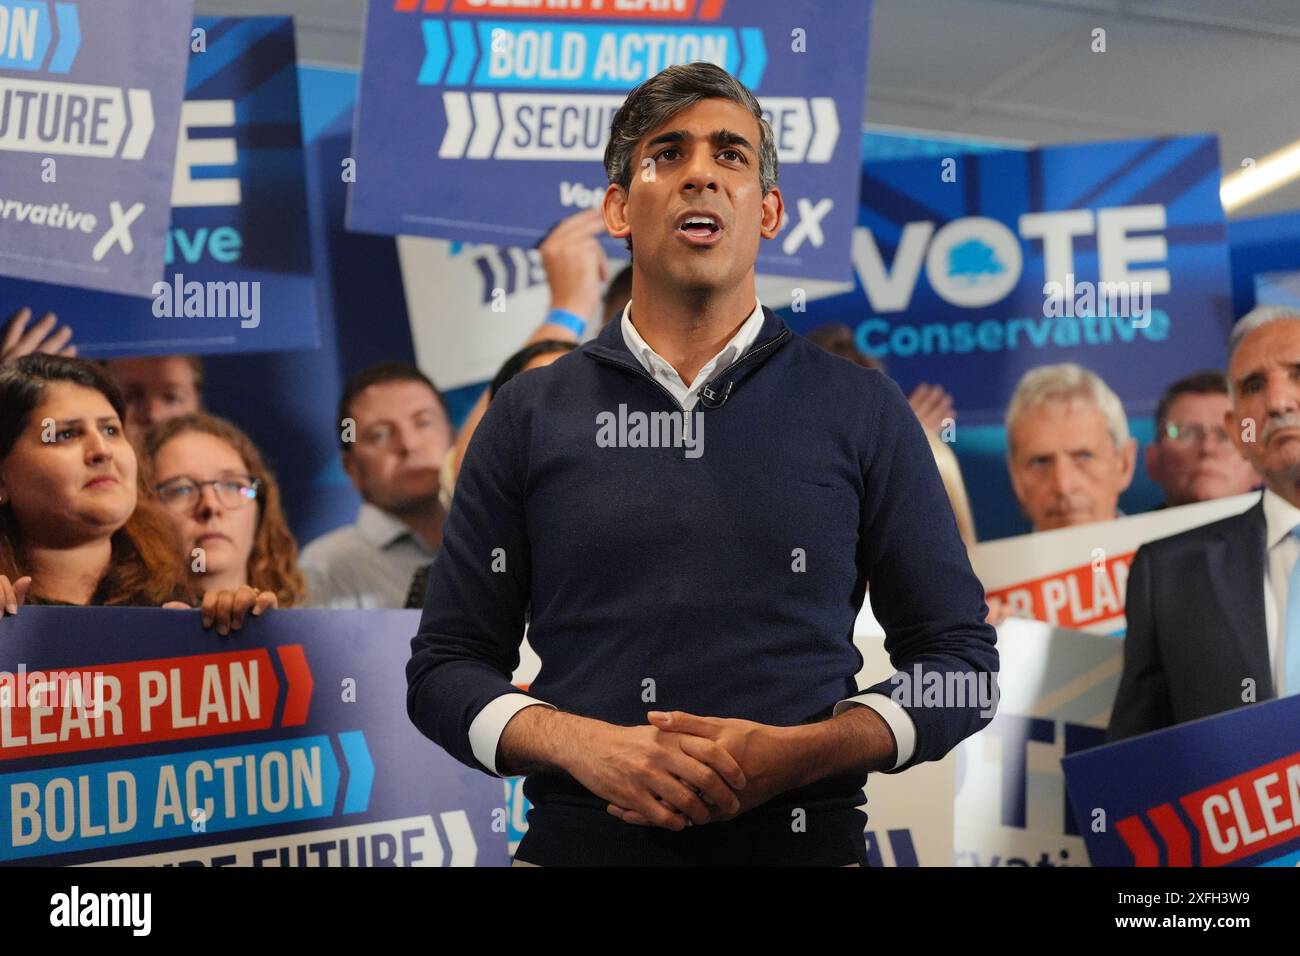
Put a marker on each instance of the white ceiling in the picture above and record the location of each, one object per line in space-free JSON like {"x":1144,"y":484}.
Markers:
{"x":1024,"y":70}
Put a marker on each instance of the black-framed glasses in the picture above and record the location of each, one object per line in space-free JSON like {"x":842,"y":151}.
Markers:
{"x":182,"y":494}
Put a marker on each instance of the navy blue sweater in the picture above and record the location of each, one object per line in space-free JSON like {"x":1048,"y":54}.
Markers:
{"x":639,"y":563}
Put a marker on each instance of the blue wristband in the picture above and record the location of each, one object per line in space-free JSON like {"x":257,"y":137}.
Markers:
{"x":570,"y":320}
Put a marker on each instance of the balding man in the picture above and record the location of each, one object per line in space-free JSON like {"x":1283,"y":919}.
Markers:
{"x":1069,"y":452}
{"x":1214,"y":612}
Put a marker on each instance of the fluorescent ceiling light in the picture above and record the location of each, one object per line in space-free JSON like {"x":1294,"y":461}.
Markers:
{"x":1275,"y":170}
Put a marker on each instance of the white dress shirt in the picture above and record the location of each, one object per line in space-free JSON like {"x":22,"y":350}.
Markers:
{"x":486,"y":729}
{"x":366,"y":565}
{"x":1280,"y":516}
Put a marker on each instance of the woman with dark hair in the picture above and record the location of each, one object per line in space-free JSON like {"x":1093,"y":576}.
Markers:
{"x":77,"y":525}
{"x":225,"y":506}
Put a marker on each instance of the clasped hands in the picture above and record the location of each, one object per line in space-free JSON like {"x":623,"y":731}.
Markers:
{"x":682,"y":769}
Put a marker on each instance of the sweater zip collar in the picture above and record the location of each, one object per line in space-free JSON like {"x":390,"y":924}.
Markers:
{"x":610,"y":349}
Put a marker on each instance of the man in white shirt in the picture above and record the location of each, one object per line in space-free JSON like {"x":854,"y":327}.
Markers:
{"x":394,"y":433}
{"x":1214,"y":612}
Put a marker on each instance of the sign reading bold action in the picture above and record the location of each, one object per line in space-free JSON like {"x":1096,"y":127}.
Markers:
{"x":287,"y":745}
{"x":487,"y":122}
{"x":239,"y":271}
{"x":1220,"y":791}
{"x":90,"y":98}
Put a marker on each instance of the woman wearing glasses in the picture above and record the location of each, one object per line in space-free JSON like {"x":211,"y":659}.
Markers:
{"x":225,"y":505}
{"x":77,"y":524}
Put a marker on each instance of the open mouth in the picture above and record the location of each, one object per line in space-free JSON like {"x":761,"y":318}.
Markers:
{"x":700,"y":230}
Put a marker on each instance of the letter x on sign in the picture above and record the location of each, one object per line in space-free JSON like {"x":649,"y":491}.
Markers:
{"x":119,"y":233}
{"x":810,"y":225}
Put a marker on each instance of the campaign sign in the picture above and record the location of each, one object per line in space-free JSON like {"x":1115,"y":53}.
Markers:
{"x":973,"y":269}
{"x":486,"y":121}
{"x":1219,"y":791}
{"x":238,"y":257}
{"x":1056,"y":690}
{"x":285,"y":744}
{"x":1078,"y":577}
{"x":90,"y":98}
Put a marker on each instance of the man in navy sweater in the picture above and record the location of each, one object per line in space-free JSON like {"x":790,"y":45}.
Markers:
{"x":686,"y":512}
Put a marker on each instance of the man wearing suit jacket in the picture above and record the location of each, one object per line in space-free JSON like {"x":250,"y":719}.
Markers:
{"x":1213,"y":620}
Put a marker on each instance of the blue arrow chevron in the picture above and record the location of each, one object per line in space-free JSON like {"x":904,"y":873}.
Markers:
{"x":464,"y":51}
{"x":65,"y":51}
{"x":361,"y":771}
{"x":751,"y":41}
{"x":436,"y":52}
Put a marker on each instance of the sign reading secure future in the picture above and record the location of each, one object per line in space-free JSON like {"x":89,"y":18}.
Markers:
{"x":973,"y":269}
{"x":90,"y":97}
{"x":239,"y":269}
{"x":286,"y":744}
{"x":486,"y":120}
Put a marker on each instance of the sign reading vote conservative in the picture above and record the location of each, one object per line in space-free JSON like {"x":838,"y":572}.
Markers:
{"x":286,"y":744}
{"x":1220,"y":791}
{"x":973,"y":269}
{"x":90,"y":96}
{"x":238,"y":257}
{"x":486,"y":121}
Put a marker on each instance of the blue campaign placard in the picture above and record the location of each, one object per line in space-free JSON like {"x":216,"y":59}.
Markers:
{"x":237,"y":252}
{"x":1219,"y":791}
{"x":487,"y":121}
{"x":285,"y":744}
{"x":972,"y":269}
{"x":90,"y":98}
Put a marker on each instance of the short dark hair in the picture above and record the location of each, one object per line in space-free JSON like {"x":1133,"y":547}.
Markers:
{"x":1198,"y":383}
{"x":666,"y":94}
{"x":377,"y":375}
{"x":516,"y":363}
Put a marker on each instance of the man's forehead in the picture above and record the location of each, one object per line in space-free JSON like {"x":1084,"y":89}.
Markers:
{"x":404,"y":396}
{"x":1272,"y":344}
{"x":1043,"y":425}
{"x":1189,"y":403}
{"x":706,"y":118}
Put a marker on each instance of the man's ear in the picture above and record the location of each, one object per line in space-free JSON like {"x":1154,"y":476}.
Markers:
{"x":614,"y":210}
{"x":352,"y":468}
{"x":1233,"y":427}
{"x":1128,"y":464}
{"x":773,"y":211}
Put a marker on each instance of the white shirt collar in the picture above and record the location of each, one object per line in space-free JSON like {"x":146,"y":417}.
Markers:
{"x":660,"y":368}
{"x":379,"y":527}
{"x":1280,"y":516}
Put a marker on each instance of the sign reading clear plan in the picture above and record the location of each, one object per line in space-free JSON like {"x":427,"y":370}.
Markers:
{"x":486,"y":121}
{"x":90,"y":96}
{"x":238,"y":267}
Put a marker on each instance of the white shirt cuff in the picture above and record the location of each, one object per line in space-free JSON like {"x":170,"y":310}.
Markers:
{"x":899,"y":721}
{"x":486,"y":729}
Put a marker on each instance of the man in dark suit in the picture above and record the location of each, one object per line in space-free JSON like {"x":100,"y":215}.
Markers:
{"x":1213,"y":622}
